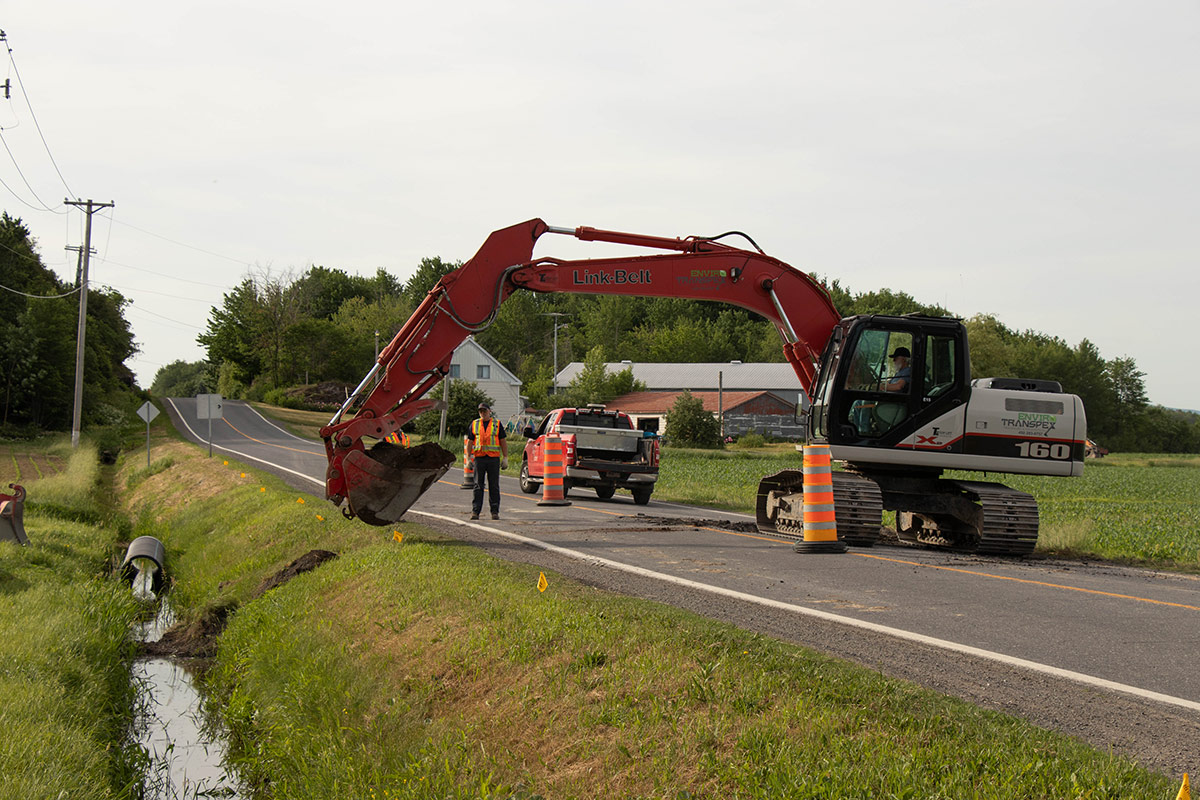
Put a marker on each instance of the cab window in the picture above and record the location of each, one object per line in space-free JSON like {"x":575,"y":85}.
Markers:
{"x":941,"y":366}
{"x":879,"y":382}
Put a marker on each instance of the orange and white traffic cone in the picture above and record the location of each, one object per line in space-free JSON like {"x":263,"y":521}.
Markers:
{"x":552,"y":481}
{"x":820,"y":521}
{"x":468,"y":466}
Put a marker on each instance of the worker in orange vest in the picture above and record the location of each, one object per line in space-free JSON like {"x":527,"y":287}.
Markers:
{"x":489,"y":445}
{"x":397,"y":437}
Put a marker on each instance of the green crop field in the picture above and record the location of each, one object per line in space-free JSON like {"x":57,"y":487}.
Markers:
{"x":1128,"y":507}
{"x":1125,"y":508}
{"x":1133,"y":508}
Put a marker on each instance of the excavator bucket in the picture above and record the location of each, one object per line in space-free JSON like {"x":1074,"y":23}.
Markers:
{"x":12,"y":515}
{"x":382,"y":484}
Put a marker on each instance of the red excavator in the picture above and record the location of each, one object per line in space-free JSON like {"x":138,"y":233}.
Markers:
{"x":896,"y":430}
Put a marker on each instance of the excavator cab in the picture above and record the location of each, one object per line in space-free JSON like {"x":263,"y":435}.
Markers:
{"x":881,"y":377}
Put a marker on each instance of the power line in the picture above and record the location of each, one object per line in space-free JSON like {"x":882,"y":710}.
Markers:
{"x":26,"y":180}
{"x":183,"y":244}
{"x":36,"y":124}
{"x":34,"y":259}
{"x":39,"y":296}
{"x":163,"y":274}
{"x":162,"y":294}
{"x":134,"y":307}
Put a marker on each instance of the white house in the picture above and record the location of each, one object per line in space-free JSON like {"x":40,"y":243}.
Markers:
{"x":472,"y":362}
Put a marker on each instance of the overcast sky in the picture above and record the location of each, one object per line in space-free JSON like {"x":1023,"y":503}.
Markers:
{"x":1037,"y":160}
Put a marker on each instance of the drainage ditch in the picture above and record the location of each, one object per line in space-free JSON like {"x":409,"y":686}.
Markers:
{"x":186,"y":748}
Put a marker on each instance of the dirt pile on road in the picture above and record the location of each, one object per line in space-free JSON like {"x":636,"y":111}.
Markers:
{"x":694,"y":522}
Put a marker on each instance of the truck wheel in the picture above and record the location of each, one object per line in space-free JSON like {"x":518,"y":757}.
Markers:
{"x":641,"y":496}
{"x":528,"y":485}
{"x":606,"y":491}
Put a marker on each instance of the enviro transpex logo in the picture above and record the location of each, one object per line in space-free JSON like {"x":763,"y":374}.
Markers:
{"x":702,"y":278}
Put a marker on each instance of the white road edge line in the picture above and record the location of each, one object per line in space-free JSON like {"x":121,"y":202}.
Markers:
{"x":943,"y":644}
{"x":955,"y":647}
{"x":238,"y":453}
{"x":281,"y":430}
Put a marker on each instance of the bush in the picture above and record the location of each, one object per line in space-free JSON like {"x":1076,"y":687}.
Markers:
{"x":690,"y":425}
{"x":281,"y":398}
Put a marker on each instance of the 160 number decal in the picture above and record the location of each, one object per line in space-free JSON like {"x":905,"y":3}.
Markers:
{"x":1044,"y":450}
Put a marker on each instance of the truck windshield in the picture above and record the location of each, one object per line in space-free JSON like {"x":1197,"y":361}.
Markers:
{"x":589,"y":420}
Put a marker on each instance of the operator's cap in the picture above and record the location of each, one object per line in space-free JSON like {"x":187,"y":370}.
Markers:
{"x":482,"y":406}
{"x":901,"y":351}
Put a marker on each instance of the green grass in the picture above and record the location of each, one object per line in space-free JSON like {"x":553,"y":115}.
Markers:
{"x":424,"y":668}
{"x":65,"y":696}
{"x":1134,"y":508}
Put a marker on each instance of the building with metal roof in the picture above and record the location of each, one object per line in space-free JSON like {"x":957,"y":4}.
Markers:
{"x":731,"y":376}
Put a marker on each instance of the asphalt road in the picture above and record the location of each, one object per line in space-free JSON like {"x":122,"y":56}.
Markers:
{"x":1106,"y":653}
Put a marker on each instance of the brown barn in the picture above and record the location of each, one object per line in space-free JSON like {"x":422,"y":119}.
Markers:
{"x":742,"y":412}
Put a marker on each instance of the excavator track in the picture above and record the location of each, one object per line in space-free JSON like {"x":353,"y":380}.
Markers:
{"x":858,"y":507}
{"x":1010,"y":518}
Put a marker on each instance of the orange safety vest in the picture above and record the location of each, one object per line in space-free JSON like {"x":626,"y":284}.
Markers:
{"x":487,"y":440}
{"x":397,"y":437}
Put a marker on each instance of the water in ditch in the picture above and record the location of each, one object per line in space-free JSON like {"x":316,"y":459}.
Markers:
{"x":187,"y":750}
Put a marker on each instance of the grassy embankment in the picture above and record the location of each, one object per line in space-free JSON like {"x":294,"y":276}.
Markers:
{"x":65,"y":696}
{"x":422,"y":668}
{"x":1132,"y":508}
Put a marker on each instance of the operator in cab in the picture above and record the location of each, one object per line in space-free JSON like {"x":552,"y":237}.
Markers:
{"x":489,"y":445}
{"x":902,"y":377}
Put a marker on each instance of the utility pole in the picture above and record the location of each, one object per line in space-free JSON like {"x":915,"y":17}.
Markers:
{"x":89,"y":208}
{"x":556,"y":315}
{"x":75,"y":248}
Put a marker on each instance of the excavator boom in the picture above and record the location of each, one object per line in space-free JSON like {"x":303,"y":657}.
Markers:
{"x":381,"y":485}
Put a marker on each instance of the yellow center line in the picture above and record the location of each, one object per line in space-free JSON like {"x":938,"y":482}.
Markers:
{"x":1033,"y":582}
{"x":909,"y":563}
{"x":270,"y":444}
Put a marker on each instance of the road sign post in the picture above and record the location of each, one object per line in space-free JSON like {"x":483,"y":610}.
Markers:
{"x":147,"y":412}
{"x":208,"y":406}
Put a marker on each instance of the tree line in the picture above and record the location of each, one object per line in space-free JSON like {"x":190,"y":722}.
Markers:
{"x":39,"y":316}
{"x":275,"y":332}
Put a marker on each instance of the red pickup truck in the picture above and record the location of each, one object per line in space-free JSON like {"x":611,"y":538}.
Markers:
{"x":601,"y":449}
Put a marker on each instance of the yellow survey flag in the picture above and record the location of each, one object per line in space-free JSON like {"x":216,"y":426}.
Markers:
{"x":262,"y":488}
{"x":1185,"y":791}
{"x":398,"y":536}
{"x":243,"y":474}
{"x":319,"y":517}
{"x":542,"y":582}
{"x":227,"y":463}
{"x":300,"y":500}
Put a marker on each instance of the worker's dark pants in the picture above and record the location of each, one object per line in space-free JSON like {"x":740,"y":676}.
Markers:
{"x":487,"y":467}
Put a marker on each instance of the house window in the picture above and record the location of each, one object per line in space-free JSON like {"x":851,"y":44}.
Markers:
{"x":483,"y":372}
{"x":455,"y":371}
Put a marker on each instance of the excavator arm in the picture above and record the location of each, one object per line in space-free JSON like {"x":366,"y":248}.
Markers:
{"x":379,"y":486}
